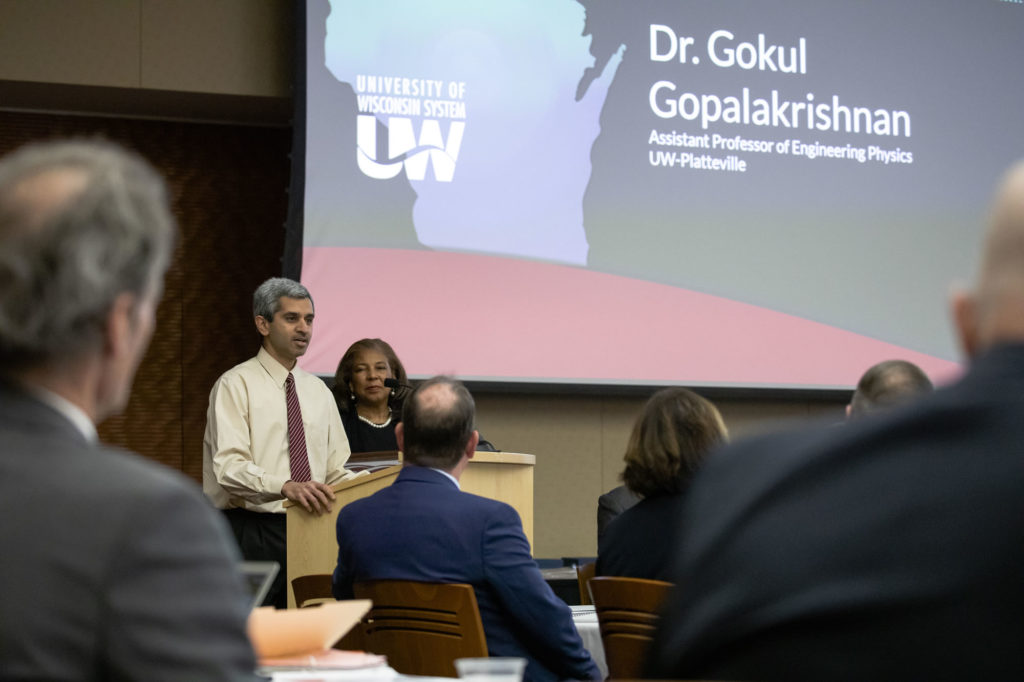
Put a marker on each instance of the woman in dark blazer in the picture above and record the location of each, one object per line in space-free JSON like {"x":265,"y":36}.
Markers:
{"x":670,"y":439}
{"x":369,"y":409}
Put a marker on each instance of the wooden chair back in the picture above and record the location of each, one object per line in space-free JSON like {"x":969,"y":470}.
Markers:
{"x":422,"y":627}
{"x":584,"y":572}
{"x":315,"y":589}
{"x":312,"y":589}
{"x":627,"y":613}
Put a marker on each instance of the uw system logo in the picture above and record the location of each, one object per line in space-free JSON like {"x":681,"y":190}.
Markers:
{"x":406,"y":149}
{"x":383,"y":151}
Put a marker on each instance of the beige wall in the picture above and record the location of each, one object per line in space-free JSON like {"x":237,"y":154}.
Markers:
{"x":231,"y":47}
{"x":225,"y":59}
{"x":579,"y":441}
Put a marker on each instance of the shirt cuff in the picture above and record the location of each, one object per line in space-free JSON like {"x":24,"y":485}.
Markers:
{"x":276,"y":483}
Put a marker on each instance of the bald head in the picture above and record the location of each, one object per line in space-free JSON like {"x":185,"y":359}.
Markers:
{"x":437,"y":423}
{"x":36,"y":198}
{"x":995,"y":313}
{"x":1002,"y":268}
{"x":888,"y":384}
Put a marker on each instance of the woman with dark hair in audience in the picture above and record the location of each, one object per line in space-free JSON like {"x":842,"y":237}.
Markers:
{"x":369,"y":409}
{"x":669,"y":441}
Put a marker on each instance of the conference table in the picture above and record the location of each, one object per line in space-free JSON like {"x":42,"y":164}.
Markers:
{"x":584,"y":617}
{"x":371,"y":675}
{"x":585,"y":620}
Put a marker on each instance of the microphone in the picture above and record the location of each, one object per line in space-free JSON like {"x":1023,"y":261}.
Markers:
{"x":391,"y":382}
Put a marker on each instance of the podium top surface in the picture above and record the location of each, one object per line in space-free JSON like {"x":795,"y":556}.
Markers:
{"x":481,"y":457}
{"x":503,"y":458}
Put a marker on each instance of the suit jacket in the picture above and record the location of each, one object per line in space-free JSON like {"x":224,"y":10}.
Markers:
{"x":114,"y":568}
{"x":423,"y":528}
{"x":891,"y":548}
{"x":641,"y":541}
{"x":610,"y":505}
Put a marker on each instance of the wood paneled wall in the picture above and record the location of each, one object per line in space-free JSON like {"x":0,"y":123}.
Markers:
{"x":228,"y":186}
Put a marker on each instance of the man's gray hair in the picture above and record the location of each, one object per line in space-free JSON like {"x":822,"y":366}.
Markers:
{"x":266,"y":301}
{"x":888,"y":384}
{"x":67,"y":252}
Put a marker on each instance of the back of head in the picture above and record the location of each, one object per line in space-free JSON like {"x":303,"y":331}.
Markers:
{"x":81,"y":223}
{"x":887,"y":384}
{"x":437,"y":423}
{"x":669,"y":441}
{"x":266,"y":300}
{"x":997,"y":313}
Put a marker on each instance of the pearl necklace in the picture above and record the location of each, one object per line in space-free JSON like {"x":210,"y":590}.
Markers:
{"x":374,"y":424}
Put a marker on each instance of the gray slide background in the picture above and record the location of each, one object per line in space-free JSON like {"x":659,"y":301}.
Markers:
{"x":863,"y":247}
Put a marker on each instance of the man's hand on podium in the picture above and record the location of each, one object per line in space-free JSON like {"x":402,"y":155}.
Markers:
{"x":315,"y":497}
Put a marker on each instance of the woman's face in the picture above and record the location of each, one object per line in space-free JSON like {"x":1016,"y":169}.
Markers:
{"x":368,"y":374}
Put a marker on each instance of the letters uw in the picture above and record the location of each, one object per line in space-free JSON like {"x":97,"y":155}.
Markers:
{"x":404,"y":149}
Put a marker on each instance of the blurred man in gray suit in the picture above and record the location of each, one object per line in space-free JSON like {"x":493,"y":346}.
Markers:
{"x":114,"y":568}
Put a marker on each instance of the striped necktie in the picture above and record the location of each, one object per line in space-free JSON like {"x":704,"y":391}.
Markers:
{"x":298,"y":458}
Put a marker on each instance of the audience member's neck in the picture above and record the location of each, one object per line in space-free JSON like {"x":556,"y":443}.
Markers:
{"x":457,"y":470}
{"x":76,"y":384}
{"x":1000,"y":336}
{"x":1000,"y":320}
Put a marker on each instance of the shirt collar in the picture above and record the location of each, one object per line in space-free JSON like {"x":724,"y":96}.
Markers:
{"x":277,"y":371}
{"x":73,"y":413}
{"x":450,"y":477}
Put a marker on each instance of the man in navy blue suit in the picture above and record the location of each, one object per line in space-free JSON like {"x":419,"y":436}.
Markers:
{"x":424,"y":528}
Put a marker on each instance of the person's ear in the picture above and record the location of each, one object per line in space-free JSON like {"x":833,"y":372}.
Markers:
{"x":120,"y":323}
{"x":123,"y":324}
{"x":474,"y":440}
{"x":263,"y":325}
{"x":965,"y":318}
{"x":849,"y":409}
{"x":400,"y":436}
{"x":125,"y":338}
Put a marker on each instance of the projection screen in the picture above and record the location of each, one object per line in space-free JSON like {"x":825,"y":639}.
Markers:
{"x":704,"y":192}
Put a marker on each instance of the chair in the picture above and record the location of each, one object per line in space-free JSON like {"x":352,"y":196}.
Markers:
{"x":312,"y":589}
{"x":422,"y":627}
{"x":315,"y":589}
{"x":627,"y":613}
{"x":584,"y":572}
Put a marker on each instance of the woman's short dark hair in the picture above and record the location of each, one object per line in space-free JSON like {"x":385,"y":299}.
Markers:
{"x":344,"y":374}
{"x":669,"y":441}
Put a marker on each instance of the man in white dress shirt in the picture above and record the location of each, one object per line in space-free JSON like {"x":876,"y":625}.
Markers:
{"x":273,"y":432}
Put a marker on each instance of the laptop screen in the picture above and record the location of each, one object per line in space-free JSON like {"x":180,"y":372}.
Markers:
{"x":258,"y":577}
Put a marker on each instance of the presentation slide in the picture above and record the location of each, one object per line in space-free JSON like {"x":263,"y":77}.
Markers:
{"x":731,"y":193}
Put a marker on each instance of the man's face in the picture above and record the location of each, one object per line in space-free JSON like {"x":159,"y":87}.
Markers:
{"x":287,"y":336}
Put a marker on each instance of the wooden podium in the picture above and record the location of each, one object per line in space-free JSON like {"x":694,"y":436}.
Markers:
{"x":313,"y":545}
